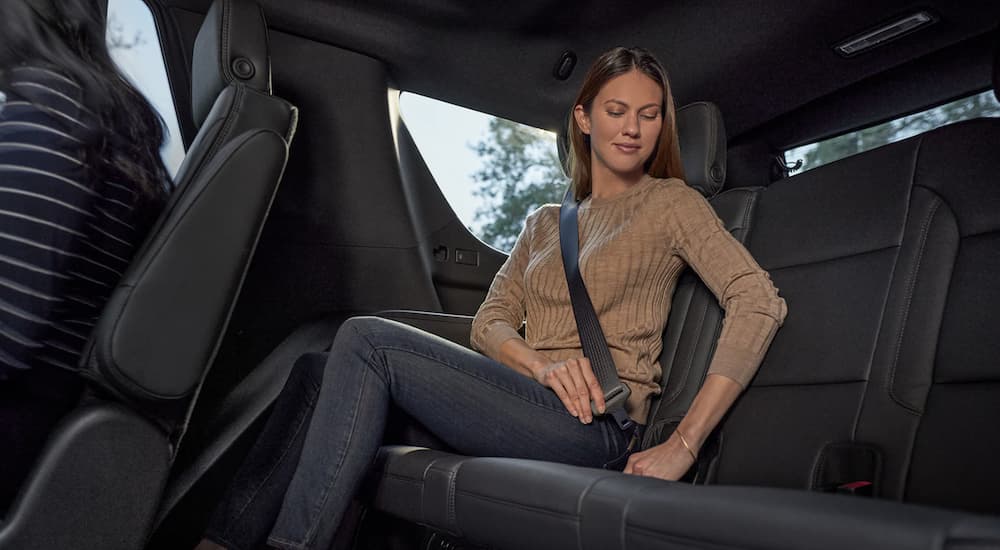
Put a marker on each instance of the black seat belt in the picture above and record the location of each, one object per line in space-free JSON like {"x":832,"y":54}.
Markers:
{"x":595,"y":346}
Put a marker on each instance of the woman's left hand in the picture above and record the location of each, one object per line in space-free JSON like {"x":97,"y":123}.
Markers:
{"x":669,"y":460}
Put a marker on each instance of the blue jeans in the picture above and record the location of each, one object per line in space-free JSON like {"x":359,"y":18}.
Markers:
{"x":476,"y":405}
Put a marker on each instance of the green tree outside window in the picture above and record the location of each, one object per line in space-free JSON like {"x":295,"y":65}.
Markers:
{"x":520,"y":172}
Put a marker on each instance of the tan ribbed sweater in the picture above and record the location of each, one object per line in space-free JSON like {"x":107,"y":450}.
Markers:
{"x":633,"y":248}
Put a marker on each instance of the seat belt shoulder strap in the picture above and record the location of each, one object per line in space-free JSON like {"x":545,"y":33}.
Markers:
{"x":595,"y":345}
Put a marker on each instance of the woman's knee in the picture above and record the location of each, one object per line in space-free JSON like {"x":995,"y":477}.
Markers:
{"x":360,"y":341}
{"x":365,"y":330}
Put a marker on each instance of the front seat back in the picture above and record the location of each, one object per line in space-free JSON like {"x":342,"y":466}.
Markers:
{"x":155,"y":342}
{"x":99,"y":480}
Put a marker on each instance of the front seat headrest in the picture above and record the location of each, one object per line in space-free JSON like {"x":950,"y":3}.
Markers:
{"x":231,"y":47}
{"x":702,"y":136}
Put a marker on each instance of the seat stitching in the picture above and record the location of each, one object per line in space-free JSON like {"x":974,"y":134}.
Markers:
{"x":515,"y":504}
{"x":833,"y":259}
{"x":227,"y":14}
{"x":227,"y":127}
{"x":579,"y":511}
{"x":452,"y":514}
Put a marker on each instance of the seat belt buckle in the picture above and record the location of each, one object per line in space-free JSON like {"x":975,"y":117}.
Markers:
{"x":859,"y":488}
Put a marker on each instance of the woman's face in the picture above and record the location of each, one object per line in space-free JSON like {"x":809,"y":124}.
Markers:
{"x":623,"y":124}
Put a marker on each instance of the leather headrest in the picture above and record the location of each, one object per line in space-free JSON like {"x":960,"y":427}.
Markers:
{"x":231,"y":47}
{"x":702,"y":136}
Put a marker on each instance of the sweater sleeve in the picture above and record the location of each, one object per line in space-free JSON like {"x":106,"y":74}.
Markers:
{"x":502,"y":313}
{"x":754,"y":311}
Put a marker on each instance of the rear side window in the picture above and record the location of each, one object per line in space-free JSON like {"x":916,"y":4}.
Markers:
{"x":135,"y":47}
{"x":493,"y":171}
{"x":823,"y":152}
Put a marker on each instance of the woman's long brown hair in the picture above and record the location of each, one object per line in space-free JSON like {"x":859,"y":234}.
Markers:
{"x":666,"y":159}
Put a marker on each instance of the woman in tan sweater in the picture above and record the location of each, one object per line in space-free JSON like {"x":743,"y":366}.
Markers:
{"x":639,"y":226}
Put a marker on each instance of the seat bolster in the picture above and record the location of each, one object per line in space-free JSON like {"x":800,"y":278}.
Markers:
{"x":97,"y":485}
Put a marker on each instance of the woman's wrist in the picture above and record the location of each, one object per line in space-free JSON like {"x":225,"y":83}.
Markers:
{"x":517,"y":354}
{"x":693,"y":432}
{"x":536,"y":365}
{"x":714,"y":398}
{"x":684,"y":442}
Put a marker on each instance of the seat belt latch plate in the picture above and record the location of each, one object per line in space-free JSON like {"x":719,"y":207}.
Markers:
{"x":615,"y":397}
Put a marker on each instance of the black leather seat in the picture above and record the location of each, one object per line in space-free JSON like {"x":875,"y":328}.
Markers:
{"x":884,"y":373}
{"x":98,"y":482}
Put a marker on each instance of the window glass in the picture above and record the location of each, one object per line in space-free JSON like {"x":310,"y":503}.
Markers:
{"x":135,"y":47}
{"x":493,"y":171}
{"x":824,"y":152}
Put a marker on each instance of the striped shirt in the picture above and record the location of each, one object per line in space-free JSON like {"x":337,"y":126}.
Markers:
{"x":65,"y":240}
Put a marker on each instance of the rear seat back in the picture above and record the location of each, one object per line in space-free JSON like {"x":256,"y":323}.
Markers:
{"x":830,"y":239}
{"x":953,"y":301}
{"x":886,"y":363}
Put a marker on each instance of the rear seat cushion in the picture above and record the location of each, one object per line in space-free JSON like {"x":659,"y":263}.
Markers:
{"x":509,"y":503}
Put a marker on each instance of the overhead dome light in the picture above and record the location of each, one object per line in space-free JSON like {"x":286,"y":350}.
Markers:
{"x":885,"y":33}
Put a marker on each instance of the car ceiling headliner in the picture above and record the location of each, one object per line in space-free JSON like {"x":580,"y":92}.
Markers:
{"x":757,"y":60}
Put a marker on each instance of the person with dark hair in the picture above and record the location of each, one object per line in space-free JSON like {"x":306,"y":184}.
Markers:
{"x":81,"y":182}
{"x":530,"y":397}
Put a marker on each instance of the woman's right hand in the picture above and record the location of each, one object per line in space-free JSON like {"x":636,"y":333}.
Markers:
{"x":574,"y":382}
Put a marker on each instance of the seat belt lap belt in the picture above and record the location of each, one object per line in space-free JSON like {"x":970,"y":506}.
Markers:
{"x":595,"y":346}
